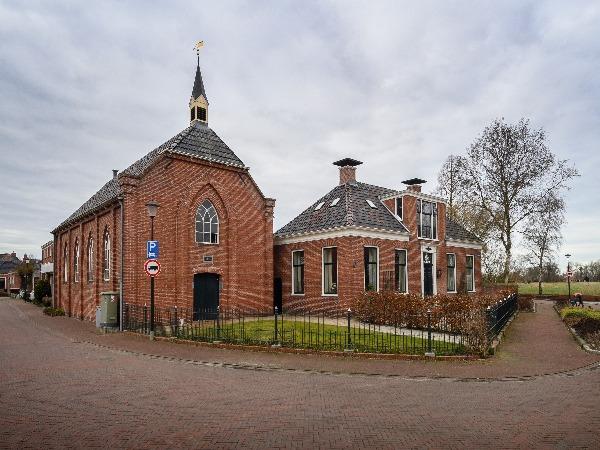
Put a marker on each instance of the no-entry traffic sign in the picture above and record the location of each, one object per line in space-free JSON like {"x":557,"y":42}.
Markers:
{"x":152,"y":267}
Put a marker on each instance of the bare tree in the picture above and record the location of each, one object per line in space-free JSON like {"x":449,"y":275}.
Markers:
{"x":509,"y":174}
{"x":542,"y":235}
{"x":450,"y":182}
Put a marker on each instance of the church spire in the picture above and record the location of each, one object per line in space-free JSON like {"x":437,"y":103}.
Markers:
{"x":198,"y":103}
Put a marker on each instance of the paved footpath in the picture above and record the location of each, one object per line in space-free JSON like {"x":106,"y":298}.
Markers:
{"x":64,"y":385}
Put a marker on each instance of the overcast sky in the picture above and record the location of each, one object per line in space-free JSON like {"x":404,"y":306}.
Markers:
{"x":86,"y":87}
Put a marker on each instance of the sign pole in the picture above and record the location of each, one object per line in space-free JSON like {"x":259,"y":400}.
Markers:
{"x":152,"y":287}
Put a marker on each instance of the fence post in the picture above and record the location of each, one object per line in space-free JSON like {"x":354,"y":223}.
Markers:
{"x":429,"y":352}
{"x":176,"y":322}
{"x":145,"y":318}
{"x":348,"y":331}
{"x":218,"y":340}
{"x":276,"y":342}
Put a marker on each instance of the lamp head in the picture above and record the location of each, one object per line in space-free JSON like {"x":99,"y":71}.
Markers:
{"x":152,"y":207}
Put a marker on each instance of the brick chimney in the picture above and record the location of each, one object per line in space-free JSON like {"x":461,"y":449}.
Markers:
{"x":414,"y":184}
{"x":347,"y":170}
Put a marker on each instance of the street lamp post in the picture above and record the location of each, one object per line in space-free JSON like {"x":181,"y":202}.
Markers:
{"x":569,"y":274}
{"x":26,"y":262}
{"x":152,"y":207}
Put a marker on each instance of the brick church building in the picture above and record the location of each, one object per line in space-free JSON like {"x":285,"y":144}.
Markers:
{"x":359,"y":237}
{"x":214,"y":225}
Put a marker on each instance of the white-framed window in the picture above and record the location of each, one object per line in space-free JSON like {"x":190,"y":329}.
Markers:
{"x":371,"y":204}
{"x":371,"y":258}
{"x":106,"y":259}
{"x":451,"y":272}
{"x":399,"y":207}
{"x":90,"y":259}
{"x":207,"y":224}
{"x":470,"y":273}
{"x":66,"y":264}
{"x":319,"y":206}
{"x":298,"y":272}
{"x":76,"y":263}
{"x":401,"y":272}
{"x":426,"y":219}
{"x":335,"y":201}
{"x":329,"y":270}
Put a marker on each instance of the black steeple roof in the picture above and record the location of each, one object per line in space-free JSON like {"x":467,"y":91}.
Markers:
{"x":198,"y":89}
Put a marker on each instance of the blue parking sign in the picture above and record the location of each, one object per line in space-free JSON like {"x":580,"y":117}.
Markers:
{"x":152,"y":249}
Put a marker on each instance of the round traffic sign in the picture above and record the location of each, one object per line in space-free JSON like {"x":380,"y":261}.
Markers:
{"x":152,"y":267}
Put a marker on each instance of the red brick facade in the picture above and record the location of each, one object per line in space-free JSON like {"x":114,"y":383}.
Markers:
{"x":243,"y":258}
{"x":350,"y":265}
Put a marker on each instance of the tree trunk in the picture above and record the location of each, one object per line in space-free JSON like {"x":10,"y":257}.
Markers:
{"x":540,"y":275}
{"x":507,"y":258}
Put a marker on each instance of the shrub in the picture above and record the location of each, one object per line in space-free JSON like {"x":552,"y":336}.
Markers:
{"x":525,"y":303}
{"x":42,"y":289}
{"x":50,"y":311}
{"x":580,"y":313}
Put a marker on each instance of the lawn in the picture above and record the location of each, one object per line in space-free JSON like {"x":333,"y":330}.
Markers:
{"x":561,"y":288}
{"x":314,"y":335}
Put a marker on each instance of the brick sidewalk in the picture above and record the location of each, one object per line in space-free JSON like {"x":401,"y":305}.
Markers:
{"x":59,"y":392}
{"x":534,"y":344}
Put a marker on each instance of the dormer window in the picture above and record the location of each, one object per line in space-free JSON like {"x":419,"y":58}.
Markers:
{"x":426,"y":219}
{"x":371,"y":204}
{"x":399,"y":207}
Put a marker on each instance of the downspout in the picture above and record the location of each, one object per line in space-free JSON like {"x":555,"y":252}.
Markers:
{"x":121,"y":241}
{"x":54,"y":241}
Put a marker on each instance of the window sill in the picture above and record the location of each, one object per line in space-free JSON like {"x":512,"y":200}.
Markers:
{"x":297,"y":295}
{"x":329,"y":295}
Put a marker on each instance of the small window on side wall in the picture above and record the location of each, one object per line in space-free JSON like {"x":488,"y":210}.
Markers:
{"x":451,"y":271}
{"x":298,"y":272}
{"x":470,"y":273}
{"x":330,"y":271}
{"x":399,"y":207}
{"x":401,"y":273}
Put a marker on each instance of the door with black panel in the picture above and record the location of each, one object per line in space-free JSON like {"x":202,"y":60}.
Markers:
{"x":206,"y":296}
{"x":427,"y":274}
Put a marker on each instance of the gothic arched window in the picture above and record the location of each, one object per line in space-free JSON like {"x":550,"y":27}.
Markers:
{"x":66,"y":264}
{"x":106,"y":259}
{"x":76,"y":262}
{"x":90,"y":259}
{"x":207,"y":224}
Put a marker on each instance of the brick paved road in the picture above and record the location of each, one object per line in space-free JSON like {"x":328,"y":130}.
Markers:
{"x":56,"y":391}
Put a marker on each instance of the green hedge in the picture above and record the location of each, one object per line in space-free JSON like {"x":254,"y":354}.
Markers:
{"x":50,"y":311}
{"x":580,"y":313}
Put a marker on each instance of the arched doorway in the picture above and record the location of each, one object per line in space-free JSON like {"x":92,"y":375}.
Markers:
{"x":206,"y":295}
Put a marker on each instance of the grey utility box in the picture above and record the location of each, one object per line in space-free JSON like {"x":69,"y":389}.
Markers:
{"x":109,"y":309}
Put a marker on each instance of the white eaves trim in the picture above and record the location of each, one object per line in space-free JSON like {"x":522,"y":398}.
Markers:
{"x":421,"y":195}
{"x":463,"y":244}
{"x":341,"y":232}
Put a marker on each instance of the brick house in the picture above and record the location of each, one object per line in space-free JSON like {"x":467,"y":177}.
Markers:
{"x":47,"y":262}
{"x":214,"y":225}
{"x":10,"y":280}
{"x":361,"y":237}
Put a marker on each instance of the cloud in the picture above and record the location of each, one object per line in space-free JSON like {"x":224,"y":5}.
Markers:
{"x":292,"y":87}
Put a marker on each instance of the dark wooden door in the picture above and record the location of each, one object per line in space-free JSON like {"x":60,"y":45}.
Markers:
{"x":206,"y":296}
{"x":277,"y":294}
{"x":427,"y":274}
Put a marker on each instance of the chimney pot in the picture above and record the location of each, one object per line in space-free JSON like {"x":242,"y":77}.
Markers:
{"x":115,"y":173}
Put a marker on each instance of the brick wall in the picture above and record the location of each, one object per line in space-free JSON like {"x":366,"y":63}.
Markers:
{"x":243,"y":258}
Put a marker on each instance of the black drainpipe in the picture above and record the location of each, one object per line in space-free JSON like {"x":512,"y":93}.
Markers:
{"x":121,"y":302}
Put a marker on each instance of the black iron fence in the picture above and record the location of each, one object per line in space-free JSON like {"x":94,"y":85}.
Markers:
{"x":417,"y":333}
{"x":499,"y":314}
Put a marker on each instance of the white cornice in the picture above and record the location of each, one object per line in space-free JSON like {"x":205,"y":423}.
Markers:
{"x":341,"y":232}
{"x":463,"y":244}
{"x":421,"y":195}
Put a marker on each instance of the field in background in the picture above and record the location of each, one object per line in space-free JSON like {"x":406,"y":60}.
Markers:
{"x":561,"y":288}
